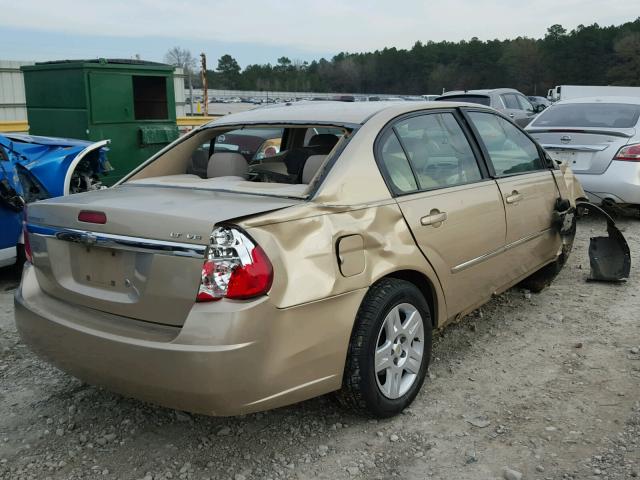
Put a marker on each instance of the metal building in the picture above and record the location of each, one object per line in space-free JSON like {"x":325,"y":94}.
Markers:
{"x":13,"y":109}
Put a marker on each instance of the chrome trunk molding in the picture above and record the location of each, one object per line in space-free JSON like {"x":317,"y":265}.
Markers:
{"x":119,"y":242}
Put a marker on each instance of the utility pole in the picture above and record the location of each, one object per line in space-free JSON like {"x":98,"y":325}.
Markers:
{"x":189,"y":76}
{"x":205,"y":88}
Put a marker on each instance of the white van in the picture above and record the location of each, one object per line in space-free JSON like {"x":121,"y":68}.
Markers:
{"x":566,"y":92}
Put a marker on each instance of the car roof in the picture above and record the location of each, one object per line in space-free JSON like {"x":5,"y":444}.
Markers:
{"x":602,"y":99}
{"x":329,"y":112}
{"x":480,"y":91}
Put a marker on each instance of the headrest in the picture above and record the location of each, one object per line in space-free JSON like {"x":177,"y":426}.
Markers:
{"x":224,"y":164}
{"x":311,"y":167}
{"x":323,"y":140}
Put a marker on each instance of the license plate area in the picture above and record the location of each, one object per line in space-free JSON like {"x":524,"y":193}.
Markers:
{"x":98,"y":267}
{"x":574,"y":159}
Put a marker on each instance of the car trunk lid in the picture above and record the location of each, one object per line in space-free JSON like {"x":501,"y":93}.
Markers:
{"x":584,"y":150}
{"x":145,"y":261}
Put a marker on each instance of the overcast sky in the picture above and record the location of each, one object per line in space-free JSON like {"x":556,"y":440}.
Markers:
{"x":259,"y":31}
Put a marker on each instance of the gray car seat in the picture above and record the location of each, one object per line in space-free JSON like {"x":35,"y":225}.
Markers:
{"x":227,"y":164}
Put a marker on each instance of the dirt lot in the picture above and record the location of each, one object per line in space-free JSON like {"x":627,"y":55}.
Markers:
{"x":547,"y":385}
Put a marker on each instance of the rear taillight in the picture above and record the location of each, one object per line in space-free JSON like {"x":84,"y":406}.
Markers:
{"x":629,"y":153}
{"x":25,"y":239}
{"x":235,"y":267}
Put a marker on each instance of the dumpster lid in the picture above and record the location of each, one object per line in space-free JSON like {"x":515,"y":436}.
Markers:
{"x":103,"y":61}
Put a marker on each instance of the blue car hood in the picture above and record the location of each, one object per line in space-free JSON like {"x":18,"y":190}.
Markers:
{"x":49,"y":159}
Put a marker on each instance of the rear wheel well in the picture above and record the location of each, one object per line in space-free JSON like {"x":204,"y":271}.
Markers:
{"x":425,"y":286}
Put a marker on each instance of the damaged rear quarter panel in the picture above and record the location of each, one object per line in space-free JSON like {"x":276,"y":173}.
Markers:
{"x":302,"y":249}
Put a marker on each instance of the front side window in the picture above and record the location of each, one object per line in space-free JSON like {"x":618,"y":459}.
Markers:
{"x":525,"y":104}
{"x":438,"y":151}
{"x":510,"y":150}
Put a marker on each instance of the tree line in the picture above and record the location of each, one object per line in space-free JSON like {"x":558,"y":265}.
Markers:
{"x":586,"y":55}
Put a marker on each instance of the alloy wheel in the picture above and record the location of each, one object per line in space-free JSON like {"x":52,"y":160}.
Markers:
{"x":399,"y":350}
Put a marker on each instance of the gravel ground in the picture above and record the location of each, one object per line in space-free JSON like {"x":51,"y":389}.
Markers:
{"x":542,"y":386}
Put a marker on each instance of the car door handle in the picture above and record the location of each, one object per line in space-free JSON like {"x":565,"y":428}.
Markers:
{"x":515,"y":197}
{"x":435,"y":218}
{"x":512,"y":115}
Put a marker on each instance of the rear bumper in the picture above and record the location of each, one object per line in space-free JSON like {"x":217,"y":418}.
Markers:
{"x":620,"y":183}
{"x":228,"y":358}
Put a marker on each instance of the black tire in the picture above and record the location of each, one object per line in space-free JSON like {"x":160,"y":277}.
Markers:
{"x":20,"y":259}
{"x":360,"y":391}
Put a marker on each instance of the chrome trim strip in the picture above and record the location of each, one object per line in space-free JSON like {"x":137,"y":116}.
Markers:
{"x":595,"y":131}
{"x":487,"y":256}
{"x":578,"y":148}
{"x":119,"y":242}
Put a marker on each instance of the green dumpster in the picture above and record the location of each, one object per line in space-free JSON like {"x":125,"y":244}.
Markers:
{"x":129,"y":102}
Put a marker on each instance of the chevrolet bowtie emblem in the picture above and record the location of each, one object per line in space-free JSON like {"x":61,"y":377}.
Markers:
{"x":88,"y":239}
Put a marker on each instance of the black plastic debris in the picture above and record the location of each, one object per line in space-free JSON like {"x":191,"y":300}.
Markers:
{"x":609,"y":257}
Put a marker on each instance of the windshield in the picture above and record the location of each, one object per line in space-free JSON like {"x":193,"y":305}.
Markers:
{"x":589,"y":115}
{"x":480,"y":99}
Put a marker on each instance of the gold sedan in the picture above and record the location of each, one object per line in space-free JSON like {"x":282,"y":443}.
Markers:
{"x":228,"y":285}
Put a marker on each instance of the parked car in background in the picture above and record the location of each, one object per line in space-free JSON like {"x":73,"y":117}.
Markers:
{"x":34,"y":168}
{"x":599,"y":138}
{"x":507,"y":100}
{"x":326,"y":267}
{"x":344,"y":98}
{"x":539,"y":103}
{"x":568,"y":92}
{"x":430,"y":98}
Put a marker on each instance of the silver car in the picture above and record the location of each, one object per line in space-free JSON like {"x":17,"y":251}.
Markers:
{"x":509,"y":101}
{"x":599,"y":138}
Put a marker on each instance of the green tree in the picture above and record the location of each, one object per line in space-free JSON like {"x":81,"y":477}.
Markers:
{"x":228,"y":72}
{"x":627,"y":71}
{"x":588,"y":54}
{"x":522,"y":62}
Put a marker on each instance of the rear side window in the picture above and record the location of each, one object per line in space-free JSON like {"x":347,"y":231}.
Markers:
{"x":594,"y":115}
{"x":511,"y":101}
{"x":395,"y":164}
{"x":438,"y":151}
{"x":479,"y":99}
{"x":510,"y":150}
{"x":428,"y":152}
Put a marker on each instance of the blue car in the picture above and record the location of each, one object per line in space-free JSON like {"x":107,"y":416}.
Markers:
{"x":34,"y":168}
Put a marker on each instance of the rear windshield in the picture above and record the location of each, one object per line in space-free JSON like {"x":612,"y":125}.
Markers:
{"x":598,"y":115}
{"x":479,"y":99}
